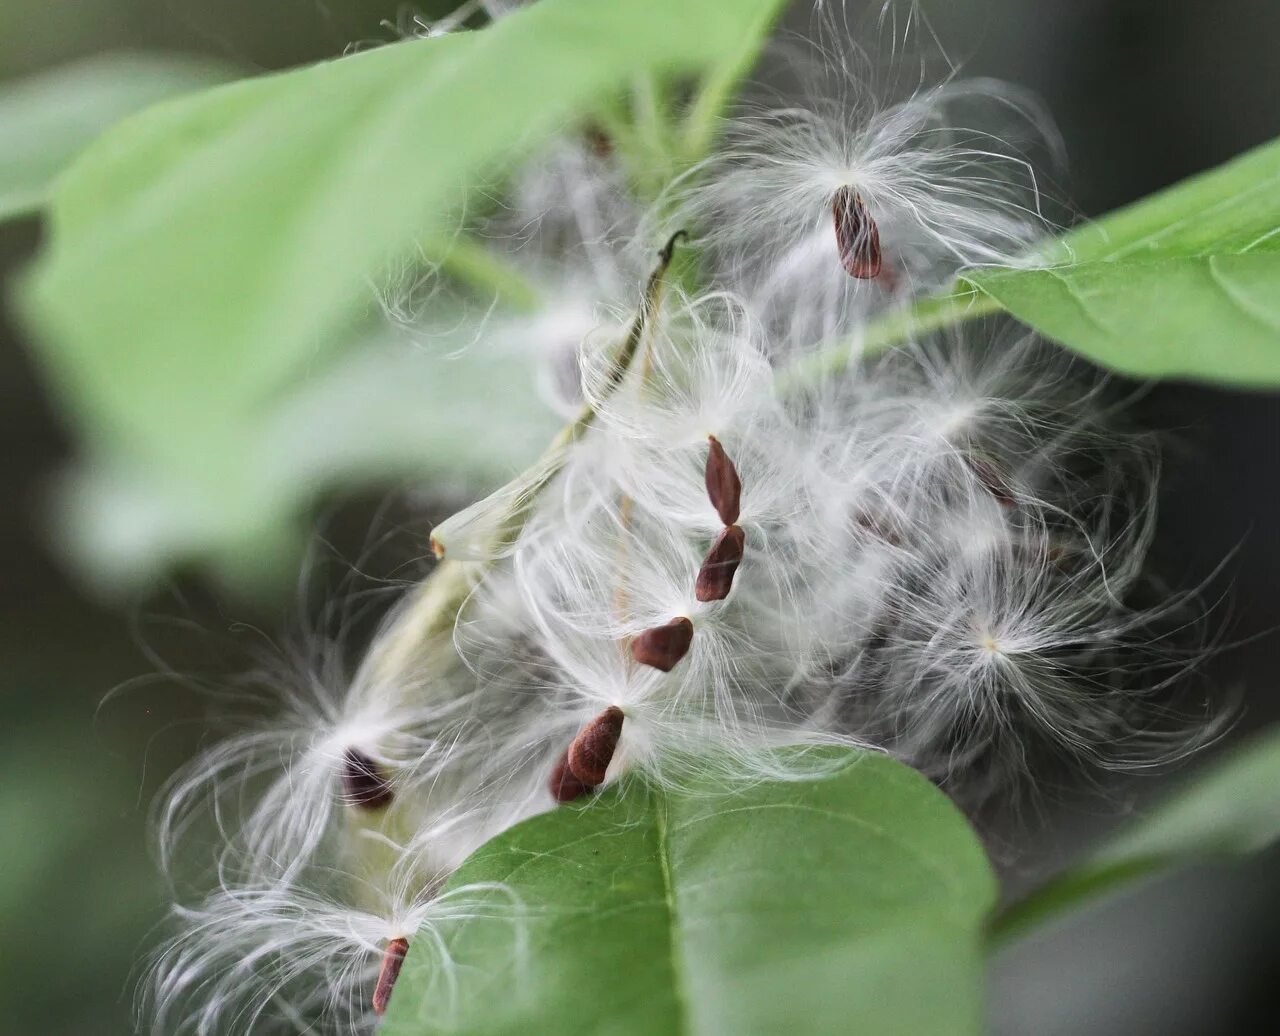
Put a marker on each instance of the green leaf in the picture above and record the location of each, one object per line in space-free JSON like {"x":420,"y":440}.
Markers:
{"x":854,"y":900}
{"x":46,"y":120}
{"x":208,"y":255}
{"x":1232,"y":810}
{"x":1185,"y":284}
{"x":386,"y":412}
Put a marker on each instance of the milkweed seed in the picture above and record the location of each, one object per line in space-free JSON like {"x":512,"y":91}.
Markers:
{"x":663,"y":646}
{"x":715,"y":578}
{"x":592,"y":750}
{"x":724,"y":488}
{"x":857,"y":236}
{"x":565,"y":787}
{"x":991,"y":479}
{"x":363,"y":783}
{"x":392,"y":962}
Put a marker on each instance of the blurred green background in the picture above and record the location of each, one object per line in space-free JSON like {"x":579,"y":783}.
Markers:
{"x":1145,"y":94}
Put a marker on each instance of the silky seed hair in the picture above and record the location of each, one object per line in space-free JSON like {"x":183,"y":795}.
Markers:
{"x":754,"y":533}
{"x":844,"y":196}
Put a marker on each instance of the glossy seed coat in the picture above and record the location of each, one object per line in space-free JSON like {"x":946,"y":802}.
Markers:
{"x":715,"y":578}
{"x":662,"y":647}
{"x":724,"y":488}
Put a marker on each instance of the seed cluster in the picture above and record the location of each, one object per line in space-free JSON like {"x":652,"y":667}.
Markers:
{"x":947,"y":546}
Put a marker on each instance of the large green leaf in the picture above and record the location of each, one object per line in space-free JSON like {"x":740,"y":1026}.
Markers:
{"x":206,"y":254}
{"x":1183,"y":284}
{"x":1232,"y":810}
{"x":46,"y":120}
{"x":850,"y":903}
{"x":384,"y":413}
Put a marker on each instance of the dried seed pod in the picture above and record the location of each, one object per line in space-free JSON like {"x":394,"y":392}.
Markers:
{"x":592,"y":750}
{"x":392,"y":962}
{"x":663,"y":646}
{"x":715,"y":577}
{"x":991,"y":479}
{"x":857,"y":236}
{"x":565,"y":787}
{"x":363,"y":783}
{"x":723,"y":485}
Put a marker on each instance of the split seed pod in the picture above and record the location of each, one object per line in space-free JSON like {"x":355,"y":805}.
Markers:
{"x":363,"y":783}
{"x":715,"y":578}
{"x":392,"y":962}
{"x":857,"y":236}
{"x":663,"y":646}
{"x":592,"y":750}
{"x":723,"y":485}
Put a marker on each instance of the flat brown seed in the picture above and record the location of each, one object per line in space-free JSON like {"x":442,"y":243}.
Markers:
{"x":663,"y":646}
{"x":592,"y":750}
{"x":990,"y":478}
{"x":715,"y":577}
{"x":565,"y":787}
{"x":392,"y":962}
{"x":857,"y":236}
{"x":363,"y":784}
{"x":723,"y":485}
{"x":880,"y":527}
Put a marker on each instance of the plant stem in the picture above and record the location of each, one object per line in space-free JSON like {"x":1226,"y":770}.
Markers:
{"x":702,"y":122}
{"x":955,"y":307}
{"x":466,"y":260}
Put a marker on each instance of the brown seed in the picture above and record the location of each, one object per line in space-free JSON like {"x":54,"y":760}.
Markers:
{"x":723,"y":485}
{"x":363,"y":784}
{"x":592,"y":750}
{"x":663,"y":646}
{"x":880,"y":527}
{"x":565,"y":787}
{"x":857,"y":236}
{"x":392,"y":962}
{"x":715,"y":577}
{"x":991,"y":479}
{"x":597,"y":140}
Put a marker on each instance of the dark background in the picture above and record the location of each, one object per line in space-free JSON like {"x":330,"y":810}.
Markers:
{"x":1145,"y":92}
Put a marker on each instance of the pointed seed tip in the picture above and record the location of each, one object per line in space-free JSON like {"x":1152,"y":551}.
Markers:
{"x":724,"y":487}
